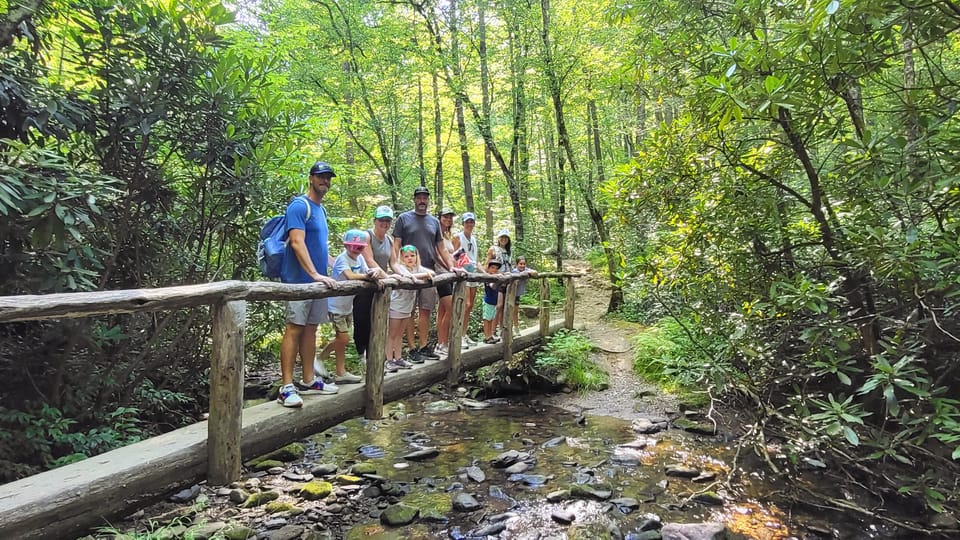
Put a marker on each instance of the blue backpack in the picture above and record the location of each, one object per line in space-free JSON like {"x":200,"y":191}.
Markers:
{"x":273,"y":243}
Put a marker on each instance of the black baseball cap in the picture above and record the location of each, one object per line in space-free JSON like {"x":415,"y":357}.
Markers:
{"x":421,"y":189}
{"x":321,"y":167}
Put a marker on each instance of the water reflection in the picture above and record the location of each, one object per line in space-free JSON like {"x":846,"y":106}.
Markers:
{"x":603,"y":454}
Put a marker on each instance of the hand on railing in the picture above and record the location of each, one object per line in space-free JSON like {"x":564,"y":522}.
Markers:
{"x":326,"y":280}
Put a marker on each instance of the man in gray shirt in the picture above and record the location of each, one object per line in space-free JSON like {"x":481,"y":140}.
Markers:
{"x":418,"y":228}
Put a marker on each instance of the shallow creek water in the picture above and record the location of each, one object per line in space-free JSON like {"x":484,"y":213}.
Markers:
{"x":590,"y":454}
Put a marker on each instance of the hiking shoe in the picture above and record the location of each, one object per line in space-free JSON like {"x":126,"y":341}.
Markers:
{"x":318,"y":387}
{"x":490,"y":340}
{"x":289,"y":397}
{"x":464,"y":345}
{"x":416,"y":356}
{"x":442,"y":351}
{"x":391,"y":366}
{"x":469,"y":342}
{"x":428,"y":354}
{"x":347,"y":378}
{"x":403,"y":364}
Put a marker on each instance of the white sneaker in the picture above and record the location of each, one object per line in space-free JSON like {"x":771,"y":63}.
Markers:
{"x":347,"y":378}
{"x":464,"y":345}
{"x":319,"y":387}
{"x":289,"y":397}
{"x":469,"y":342}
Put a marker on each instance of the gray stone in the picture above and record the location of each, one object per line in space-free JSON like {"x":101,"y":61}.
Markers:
{"x":697,"y":531}
{"x":474,"y":404}
{"x":476,"y":474}
{"x":324,"y":469}
{"x":709,"y":497}
{"x":287,"y":532}
{"x":490,"y":530}
{"x":624,"y":455}
{"x":276,"y":523}
{"x":563,"y":516}
{"x":626,"y":504}
{"x":438,"y":407}
{"x":238,"y":496}
{"x":647,"y":426}
{"x":422,"y":454}
{"x":398,"y":515}
{"x":558,"y":495}
{"x":590,"y":492}
{"x":646,"y":535}
{"x":705,"y":476}
{"x":508,"y":458}
{"x":517,"y":468}
{"x":276,"y":470}
{"x":186,"y":495}
{"x":701,"y":428}
{"x":682,"y":471}
{"x":464,"y":502}
{"x":554,"y":442}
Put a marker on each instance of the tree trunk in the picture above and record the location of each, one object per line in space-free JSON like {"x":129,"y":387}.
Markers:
{"x":596,"y":215}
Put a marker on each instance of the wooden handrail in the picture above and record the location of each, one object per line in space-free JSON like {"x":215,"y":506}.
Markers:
{"x":85,"y":304}
{"x":227,"y":300}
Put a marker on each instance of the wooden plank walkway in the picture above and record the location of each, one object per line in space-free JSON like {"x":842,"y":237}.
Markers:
{"x":66,"y":502}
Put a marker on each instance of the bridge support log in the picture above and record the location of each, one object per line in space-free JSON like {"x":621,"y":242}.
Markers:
{"x":570,"y":303}
{"x":376,"y":353}
{"x":509,"y":306}
{"x":458,"y":309}
{"x":544,"y":306}
{"x":226,"y":392}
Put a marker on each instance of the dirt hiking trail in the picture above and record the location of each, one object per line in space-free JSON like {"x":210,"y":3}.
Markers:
{"x":629,"y":396}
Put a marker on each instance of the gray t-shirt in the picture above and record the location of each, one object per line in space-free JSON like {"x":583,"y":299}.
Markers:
{"x":423,"y":232}
{"x":381,"y":250}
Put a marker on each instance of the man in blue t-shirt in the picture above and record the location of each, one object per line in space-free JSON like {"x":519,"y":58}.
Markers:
{"x":305,"y":261}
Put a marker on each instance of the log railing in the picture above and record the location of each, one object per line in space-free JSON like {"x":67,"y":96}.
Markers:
{"x":227,"y":300}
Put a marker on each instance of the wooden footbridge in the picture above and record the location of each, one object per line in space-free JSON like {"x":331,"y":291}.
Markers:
{"x":66,"y":502}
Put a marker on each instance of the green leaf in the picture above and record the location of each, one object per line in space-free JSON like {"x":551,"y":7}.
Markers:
{"x":844,"y":378}
{"x":851,"y":435}
{"x":956,"y":453}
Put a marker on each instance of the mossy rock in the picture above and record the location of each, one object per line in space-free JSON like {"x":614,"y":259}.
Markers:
{"x":363,"y":468}
{"x":316,"y":490}
{"x":238,"y":532}
{"x":709,"y":497}
{"x":432,"y":506}
{"x":595,"y":492}
{"x":701,"y":428}
{"x":348,"y":479}
{"x":265,"y":464}
{"x":398,"y":515}
{"x":276,"y":507}
{"x":291,"y":452}
{"x":261,"y":498}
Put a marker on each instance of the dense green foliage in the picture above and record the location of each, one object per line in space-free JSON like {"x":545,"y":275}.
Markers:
{"x":566,"y":360}
{"x":773,"y":186}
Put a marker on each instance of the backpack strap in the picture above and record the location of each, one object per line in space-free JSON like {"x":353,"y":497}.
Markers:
{"x":306,"y":202}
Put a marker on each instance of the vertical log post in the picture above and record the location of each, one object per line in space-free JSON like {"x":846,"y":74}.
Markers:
{"x":376,"y":353}
{"x":509,"y":306}
{"x":456,"y":330}
{"x":570,"y":303}
{"x":544,"y":307}
{"x":226,"y":393}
